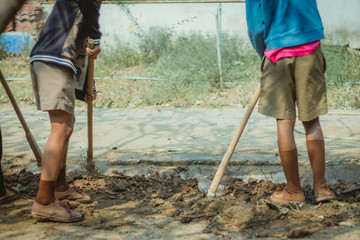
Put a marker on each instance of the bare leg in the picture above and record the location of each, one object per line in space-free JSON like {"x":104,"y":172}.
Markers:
{"x":61,"y":183}
{"x":53,"y":156}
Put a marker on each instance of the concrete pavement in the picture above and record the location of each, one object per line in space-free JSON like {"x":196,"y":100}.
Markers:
{"x":180,"y":136}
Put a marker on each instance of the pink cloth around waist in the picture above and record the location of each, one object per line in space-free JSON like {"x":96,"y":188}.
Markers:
{"x":299,"y":50}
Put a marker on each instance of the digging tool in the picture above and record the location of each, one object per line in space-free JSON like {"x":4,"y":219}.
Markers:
{"x":226,"y":159}
{"x":29,"y":136}
{"x":90,"y":91}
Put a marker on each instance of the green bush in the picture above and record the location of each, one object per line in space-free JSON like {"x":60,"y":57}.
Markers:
{"x":342,"y":66}
{"x":120,"y":57}
{"x":155,"y":43}
{"x":240,"y":61}
{"x":194,"y":59}
{"x":189,"y":63}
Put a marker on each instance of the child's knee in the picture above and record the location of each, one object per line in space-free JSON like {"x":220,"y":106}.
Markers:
{"x":313,"y":130}
{"x":311,"y":124}
{"x":62,"y":124}
{"x":69,"y":127}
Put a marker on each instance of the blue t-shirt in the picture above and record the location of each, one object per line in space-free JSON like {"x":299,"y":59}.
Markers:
{"x":275,"y":24}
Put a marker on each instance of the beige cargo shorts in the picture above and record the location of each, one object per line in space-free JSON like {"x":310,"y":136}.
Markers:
{"x":54,"y":87}
{"x":294,"y":81}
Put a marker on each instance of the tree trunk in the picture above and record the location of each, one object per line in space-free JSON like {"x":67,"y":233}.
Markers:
{"x":8,"y":9}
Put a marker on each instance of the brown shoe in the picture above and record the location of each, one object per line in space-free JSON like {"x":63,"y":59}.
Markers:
{"x":73,"y":193}
{"x":324,"y":194}
{"x":282,"y":196}
{"x":58,"y":211}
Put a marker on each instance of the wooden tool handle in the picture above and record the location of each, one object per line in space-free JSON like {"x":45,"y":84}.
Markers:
{"x":29,"y":136}
{"x":226,"y":159}
{"x":90,"y":91}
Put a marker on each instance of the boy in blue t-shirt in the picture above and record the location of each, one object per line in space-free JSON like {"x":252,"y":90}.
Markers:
{"x":287,"y":34}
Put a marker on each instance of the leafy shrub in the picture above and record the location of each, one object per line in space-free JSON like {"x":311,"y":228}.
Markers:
{"x":123,"y":56}
{"x":342,"y":66}
{"x":154,"y":43}
{"x":193,"y":59}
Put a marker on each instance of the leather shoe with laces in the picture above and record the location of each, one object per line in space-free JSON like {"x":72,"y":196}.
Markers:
{"x":57,"y":211}
{"x":73,"y":193}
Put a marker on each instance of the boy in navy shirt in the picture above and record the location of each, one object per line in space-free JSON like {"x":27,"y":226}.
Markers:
{"x":57,"y":60}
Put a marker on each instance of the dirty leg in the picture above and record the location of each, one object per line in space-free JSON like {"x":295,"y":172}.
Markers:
{"x":54,"y":152}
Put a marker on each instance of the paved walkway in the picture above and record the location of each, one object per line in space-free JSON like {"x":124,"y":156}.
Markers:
{"x":180,"y":134}
{"x":139,"y":141}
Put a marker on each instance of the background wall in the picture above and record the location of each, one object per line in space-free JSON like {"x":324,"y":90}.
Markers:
{"x":340,"y":19}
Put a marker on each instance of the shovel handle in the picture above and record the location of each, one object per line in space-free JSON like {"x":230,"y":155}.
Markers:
{"x":226,"y":159}
{"x":90,"y":91}
{"x":28,"y":134}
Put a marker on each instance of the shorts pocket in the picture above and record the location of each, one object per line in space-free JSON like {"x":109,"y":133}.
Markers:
{"x":262,"y":63}
{"x":324,"y":62}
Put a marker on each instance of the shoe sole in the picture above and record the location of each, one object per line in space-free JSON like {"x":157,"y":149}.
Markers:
{"x":54,"y":219}
{"x":284,"y":201}
{"x":79,"y":200}
{"x":323,"y":199}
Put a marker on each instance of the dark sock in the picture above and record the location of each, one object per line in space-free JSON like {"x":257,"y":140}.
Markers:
{"x":61,"y":183}
{"x":316,"y":153}
{"x":46,"y":195}
{"x":289,"y":161}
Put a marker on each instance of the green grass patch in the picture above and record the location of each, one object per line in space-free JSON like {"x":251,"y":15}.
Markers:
{"x":190,"y":66}
{"x":342,"y":65}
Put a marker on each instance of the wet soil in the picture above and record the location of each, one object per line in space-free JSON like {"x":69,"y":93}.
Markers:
{"x":160,"y":206}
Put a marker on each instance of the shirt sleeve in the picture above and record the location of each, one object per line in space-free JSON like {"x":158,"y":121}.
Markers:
{"x":91,"y":12}
{"x":255,"y":25}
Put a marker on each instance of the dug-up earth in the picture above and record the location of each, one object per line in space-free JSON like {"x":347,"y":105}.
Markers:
{"x":146,"y":186}
{"x":161,"y":206}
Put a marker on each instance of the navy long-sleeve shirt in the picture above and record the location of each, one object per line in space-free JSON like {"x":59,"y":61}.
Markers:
{"x":62,"y":40}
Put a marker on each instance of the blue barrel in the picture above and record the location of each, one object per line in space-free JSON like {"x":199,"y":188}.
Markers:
{"x":15,"y":42}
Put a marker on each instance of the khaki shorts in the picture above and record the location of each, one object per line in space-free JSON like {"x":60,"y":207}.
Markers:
{"x":293,"y":80}
{"x":54,"y":87}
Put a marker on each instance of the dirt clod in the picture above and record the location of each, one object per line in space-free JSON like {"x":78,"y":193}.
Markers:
{"x":299,"y":233}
